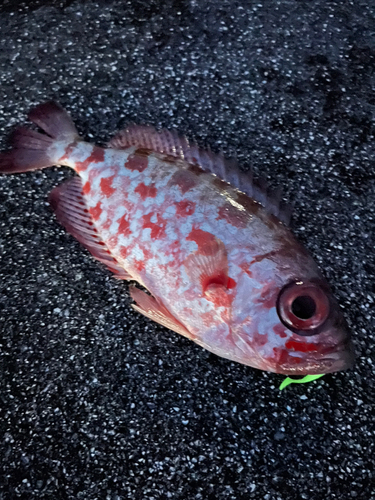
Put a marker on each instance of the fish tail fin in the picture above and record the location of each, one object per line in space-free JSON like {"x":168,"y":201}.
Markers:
{"x":34,"y":150}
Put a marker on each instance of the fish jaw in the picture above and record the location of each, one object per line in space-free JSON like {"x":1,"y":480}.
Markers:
{"x":258,"y":351}
{"x":326,"y":359}
{"x":340,"y":358}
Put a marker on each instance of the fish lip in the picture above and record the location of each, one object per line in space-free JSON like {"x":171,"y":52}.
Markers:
{"x":338,"y":358}
{"x":344,"y":358}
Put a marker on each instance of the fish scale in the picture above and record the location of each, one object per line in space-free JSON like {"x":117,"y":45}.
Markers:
{"x":220,"y":265}
{"x":139,"y":240}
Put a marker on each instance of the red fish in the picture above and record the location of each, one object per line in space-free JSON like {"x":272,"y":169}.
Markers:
{"x":208,"y":243}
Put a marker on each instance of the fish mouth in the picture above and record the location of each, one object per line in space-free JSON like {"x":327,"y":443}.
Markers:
{"x":336,"y":359}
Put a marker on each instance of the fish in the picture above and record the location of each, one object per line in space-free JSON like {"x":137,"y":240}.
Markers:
{"x":210,"y":247}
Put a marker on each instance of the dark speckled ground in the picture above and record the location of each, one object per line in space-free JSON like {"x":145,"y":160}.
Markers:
{"x":96,"y":401}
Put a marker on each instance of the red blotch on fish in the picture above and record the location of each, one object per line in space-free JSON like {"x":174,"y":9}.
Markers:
{"x":96,"y":211}
{"x":245,"y":268}
{"x":107,"y":224}
{"x":231,"y":284}
{"x":157,"y":228}
{"x":139,"y":265}
{"x":146,"y":191}
{"x":282,"y":357}
{"x":203,"y":239}
{"x":148,"y":255}
{"x":67,"y":155}
{"x":124,"y":225}
{"x":137,"y":162}
{"x":259,"y":340}
{"x":124,"y":252}
{"x":301,"y":346}
{"x":184,"y":179}
{"x":106,"y":186}
{"x":263,"y":256}
{"x":185,"y":207}
{"x":86,"y":188}
{"x":97,"y":156}
{"x":174,"y":246}
{"x":279,"y":329}
{"x":268,"y":296}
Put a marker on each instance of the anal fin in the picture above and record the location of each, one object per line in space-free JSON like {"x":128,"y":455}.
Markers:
{"x":152,"y":309}
{"x":70,"y":208}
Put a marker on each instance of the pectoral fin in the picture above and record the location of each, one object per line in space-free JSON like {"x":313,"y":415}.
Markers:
{"x":151,"y":308}
{"x":209,"y":267}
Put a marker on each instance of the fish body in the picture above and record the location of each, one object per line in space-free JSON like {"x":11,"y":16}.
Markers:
{"x":221,"y":268}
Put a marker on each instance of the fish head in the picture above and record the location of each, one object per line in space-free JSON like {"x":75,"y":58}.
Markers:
{"x":285,"y":319}
{"x":316,"y":338}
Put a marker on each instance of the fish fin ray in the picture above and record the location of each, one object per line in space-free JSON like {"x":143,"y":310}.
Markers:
{"x":69,"y":205}
{"x":30,"y":152}
{"x":147,"y":137}
{"x":209,"y":265}
{"x":154,"y":310}
{"x":54,"y":120}
{"x":32,"y":149}
{"x":170,"y":143}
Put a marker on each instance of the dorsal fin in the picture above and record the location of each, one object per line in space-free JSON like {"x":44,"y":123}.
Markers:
{"x":169,"y":143}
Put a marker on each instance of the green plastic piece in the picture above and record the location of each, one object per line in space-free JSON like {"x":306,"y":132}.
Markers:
{"x":306,"y":378}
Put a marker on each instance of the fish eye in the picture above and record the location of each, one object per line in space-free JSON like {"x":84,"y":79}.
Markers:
{"x":303,"y":307}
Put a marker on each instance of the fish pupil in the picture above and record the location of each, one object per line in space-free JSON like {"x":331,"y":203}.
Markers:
{"x":304,"y":307}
